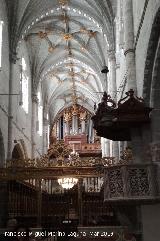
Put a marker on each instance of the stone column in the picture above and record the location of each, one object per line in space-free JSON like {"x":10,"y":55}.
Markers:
{"x":136,"y":133}
{"x":155,"y":114}
{"x":45,"y":131}
{"x":106,"y":147}
{"x":13,"y":59}
{"x":129,"y":45}
{"x":103,"y":147}
{"x":107,"y":143}
{"x":140,"y":144}
{"x":119,"y":47}
{"x":121,"y":25}
{"x":34,"y":121}
{"x":115,"y":148}
{"x":112,"y":60}
{"x":121,"y":148}
{"x":3,"y":185}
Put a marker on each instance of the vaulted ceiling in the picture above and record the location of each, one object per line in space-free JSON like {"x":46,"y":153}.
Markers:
{"x":67,"y":42}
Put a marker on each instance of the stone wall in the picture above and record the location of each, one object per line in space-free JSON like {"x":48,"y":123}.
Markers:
{"x":144,"y":12}
{"x":145,"y":17}
{"x":21,"y":120}
{"x":4,"y":76}
{"x":143,"y":40}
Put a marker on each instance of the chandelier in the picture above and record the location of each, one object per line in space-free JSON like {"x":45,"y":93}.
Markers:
{"x":67,"y":182}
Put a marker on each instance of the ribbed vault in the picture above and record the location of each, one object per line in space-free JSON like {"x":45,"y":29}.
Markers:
{"x":67,"y":42}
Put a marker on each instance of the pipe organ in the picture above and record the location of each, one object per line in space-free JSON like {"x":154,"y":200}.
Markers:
{"x":74,"y":121}
{"x":74,"y":125}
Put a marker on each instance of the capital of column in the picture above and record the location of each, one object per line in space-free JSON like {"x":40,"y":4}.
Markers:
{"x":13,"y":57}
{"x":111,"y":55}
{"x":45,"y":122}
{"x":35,"y":98}
{"x":129,"y":51}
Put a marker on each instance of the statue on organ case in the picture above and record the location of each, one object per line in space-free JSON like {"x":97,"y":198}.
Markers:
{"x":67,"y":116}
{"x":83,"y":115}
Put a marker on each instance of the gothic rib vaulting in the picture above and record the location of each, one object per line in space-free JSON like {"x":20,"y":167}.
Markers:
{"x":79,"y":119}
{"x":65,"y":45}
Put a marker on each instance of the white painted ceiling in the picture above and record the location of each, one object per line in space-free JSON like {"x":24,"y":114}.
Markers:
{"x":66,"y":43}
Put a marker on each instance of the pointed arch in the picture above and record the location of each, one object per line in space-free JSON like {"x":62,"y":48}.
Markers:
{"x":19,"y":150}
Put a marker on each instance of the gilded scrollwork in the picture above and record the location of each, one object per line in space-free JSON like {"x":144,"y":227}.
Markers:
{"x":21,"y":163}
{"x":67,"y":116}
{"x":108,"y":161}
{"x":59,"y":150}
{"x":75,"y":109}
{"x":63,"y":2}
{"x":62,"y":158}
{"x":122,"y":180}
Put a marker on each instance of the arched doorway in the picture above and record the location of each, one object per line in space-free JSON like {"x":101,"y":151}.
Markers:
{"x":18,"y":152}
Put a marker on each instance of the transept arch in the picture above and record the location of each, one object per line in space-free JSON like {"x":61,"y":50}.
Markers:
{"x":19,"y":150}
{"x":150,"y":60}
{"x":151,"y":88}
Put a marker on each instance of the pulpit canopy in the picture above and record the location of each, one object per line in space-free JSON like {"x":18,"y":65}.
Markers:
{"x":115,"y":121}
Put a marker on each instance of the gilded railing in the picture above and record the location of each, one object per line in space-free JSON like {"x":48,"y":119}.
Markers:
{"x":72,"y":161}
